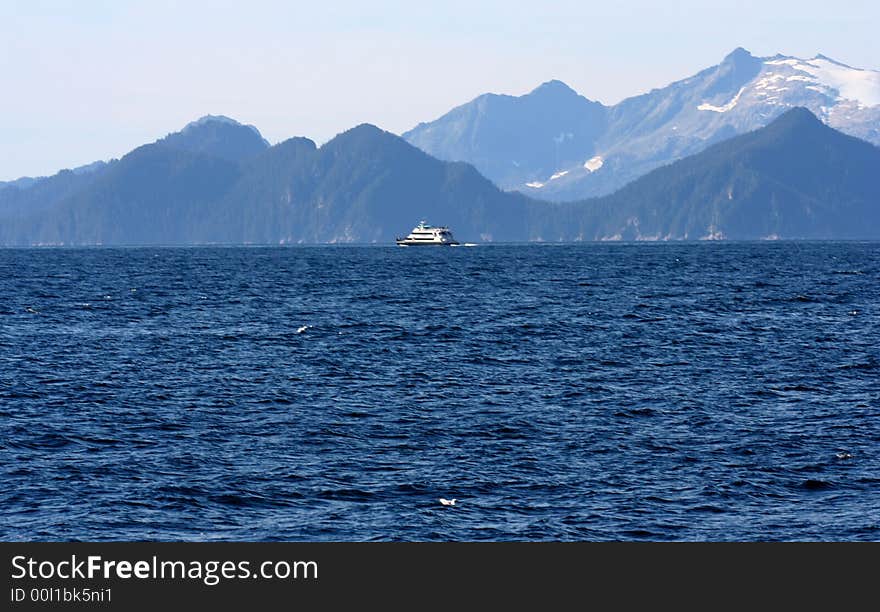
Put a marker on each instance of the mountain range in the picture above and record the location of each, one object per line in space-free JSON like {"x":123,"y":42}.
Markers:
{"x":217,"y":181}
{"x":555,"y":144}
{"x":797,"y":178}
{"x":750,"y":167}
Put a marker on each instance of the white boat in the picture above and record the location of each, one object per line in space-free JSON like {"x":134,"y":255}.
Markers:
{"x":428,"y":235}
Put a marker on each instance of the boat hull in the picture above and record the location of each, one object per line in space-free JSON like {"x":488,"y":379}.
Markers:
{"x":423,"y":243}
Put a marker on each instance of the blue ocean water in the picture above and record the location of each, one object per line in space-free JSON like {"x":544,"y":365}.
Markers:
{"x":710,"y":391}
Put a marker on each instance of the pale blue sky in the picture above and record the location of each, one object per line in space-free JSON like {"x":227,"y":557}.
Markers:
{"x":91,"y":79}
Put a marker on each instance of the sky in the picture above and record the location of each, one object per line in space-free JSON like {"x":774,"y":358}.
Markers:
{"x":90,"y":80}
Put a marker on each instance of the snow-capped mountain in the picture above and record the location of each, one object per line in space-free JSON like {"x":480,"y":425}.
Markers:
{"x":795,"y":178}
{"x":597,"y":149}
{"x":516,"y":140}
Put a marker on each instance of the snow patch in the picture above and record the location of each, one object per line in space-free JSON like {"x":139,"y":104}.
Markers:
{"x":559,"y":174}
{"x":722,"y":109}
{"x":768,"y":80}
{"x":535,"y":185}
{"x":827,"y":76}
{"x":594,"y":163}
{"x":862,"y":86}
{"x":784,"y":62}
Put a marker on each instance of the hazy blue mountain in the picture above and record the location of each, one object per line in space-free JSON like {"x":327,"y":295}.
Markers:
{"x":214,"y":135}
{"x":516,"y":140}
{"x":91,"y":168}
{"x":154,"y":195}
{"x":27,"y":195}
{"x":22,"y":183}
{"x":125,"y":183}
{"x":796,"y":178}
{"x":218,"y":136}
{"x":365,"y":185}
{"x":29,"y":181}
{"x":625,"y":141}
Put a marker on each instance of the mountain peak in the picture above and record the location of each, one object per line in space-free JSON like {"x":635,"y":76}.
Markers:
{"x":364,"y":134}
{"x":365,"y":128}
{"x":796,"y":124}
{"x":360,"y":132}
{"x":820,"y":56}
{"x":740,"y":57}
{"x":796,"y":117}
{"x":554,"y":87}
{"x":218,"y":136}
{"x":738,"y":53}
{"x":208,"y":120}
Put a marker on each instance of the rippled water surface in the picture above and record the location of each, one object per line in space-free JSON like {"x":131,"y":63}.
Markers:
{"x":572,"y":392}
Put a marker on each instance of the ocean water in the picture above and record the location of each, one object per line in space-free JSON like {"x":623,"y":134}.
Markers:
{"x":710,"y":391}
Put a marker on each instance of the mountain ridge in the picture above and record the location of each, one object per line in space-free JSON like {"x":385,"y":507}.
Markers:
{"x":795,"y":178}
{"x":619,"y":143}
